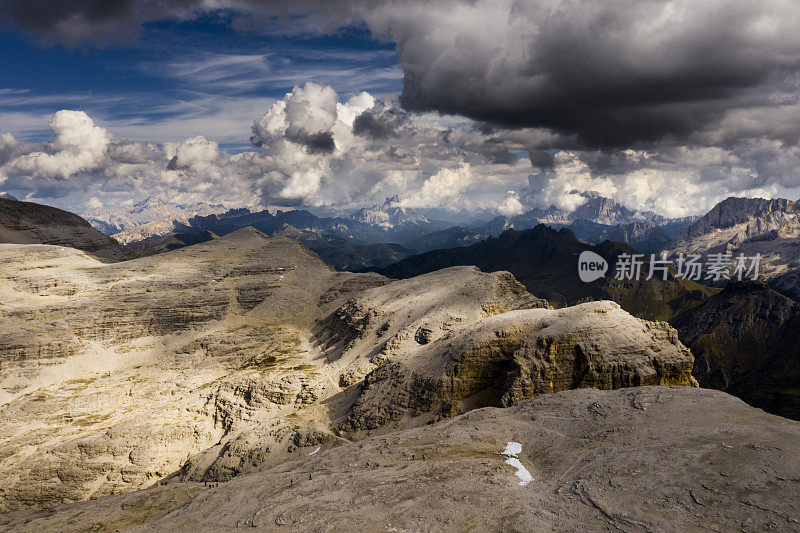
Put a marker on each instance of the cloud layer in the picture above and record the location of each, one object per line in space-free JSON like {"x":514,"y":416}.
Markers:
{"x":667,"y":105}
{"x":312,"y":149}
{"x":307,"y":151}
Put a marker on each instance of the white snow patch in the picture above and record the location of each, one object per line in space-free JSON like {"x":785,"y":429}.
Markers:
{"x":315,"y":451}
{"x":512,"y":450}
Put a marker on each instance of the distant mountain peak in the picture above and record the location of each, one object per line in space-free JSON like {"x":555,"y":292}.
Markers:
{"x":596,"y":208}
{"x":389,"y":214}
{"x":151,"y":201}
{"x":769,"y":228}
{"x":6,"y":196}
{"x":758,"y":215}
{"x":392,"y":201}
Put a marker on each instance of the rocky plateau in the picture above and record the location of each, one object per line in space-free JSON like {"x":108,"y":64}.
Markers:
{"x":238,"y":354}
{"x":637,"y":459}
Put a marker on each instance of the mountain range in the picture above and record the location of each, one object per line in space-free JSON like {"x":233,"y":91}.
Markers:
{"x":750,"y":226}
{"x":390,"y":215}
{"x":546,"y":262}
{"x":720,"y":328}
{"x":596,"y":208}
{"x":595,"y":215}
{"x":147,"y":211}
{"x":246,"y":350}
{"x":745,"y":337}
{"x":381,"y":234}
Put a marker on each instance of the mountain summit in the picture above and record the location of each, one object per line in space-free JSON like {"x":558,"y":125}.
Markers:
{"x":750,"y":226}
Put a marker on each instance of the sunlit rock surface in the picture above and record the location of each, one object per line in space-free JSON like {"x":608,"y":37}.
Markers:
{"x":231,"y":355}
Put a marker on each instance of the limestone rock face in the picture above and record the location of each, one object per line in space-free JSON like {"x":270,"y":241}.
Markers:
{"x":112,"y":375}
{"x":598,"y":345}
{"x":239,"y":353}
{"x":736,"y":220}
{"x":512,"y":356}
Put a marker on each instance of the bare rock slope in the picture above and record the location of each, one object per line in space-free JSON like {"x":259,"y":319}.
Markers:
{"x":30,"y":223}
{"x":640,"y":459}
{"x":746,"y":341}
{"x":229,"y":356}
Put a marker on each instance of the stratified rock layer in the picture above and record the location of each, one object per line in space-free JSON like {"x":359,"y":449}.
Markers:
{"x":502,"y":358}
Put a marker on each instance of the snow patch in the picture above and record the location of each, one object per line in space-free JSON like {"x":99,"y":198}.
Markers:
{"x":315,"y":451}
{"x":511,"y":451}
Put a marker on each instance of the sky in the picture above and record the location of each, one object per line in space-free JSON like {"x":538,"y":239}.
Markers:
{"x":481,"y":106}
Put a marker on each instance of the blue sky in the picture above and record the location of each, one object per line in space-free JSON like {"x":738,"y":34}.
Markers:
{"x":182,"y":78}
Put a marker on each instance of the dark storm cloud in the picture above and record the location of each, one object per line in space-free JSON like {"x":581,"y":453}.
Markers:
{"x":317,"y":143}
{"x":74,"y":22}
{"x":366,"y":125}
{"x":379,"y":123}
{"x":614,"y":73}
{"x":44,"y":15}
{"x":541,"y":158}
{"x":617,"y":73}
{"x":495,"y":149}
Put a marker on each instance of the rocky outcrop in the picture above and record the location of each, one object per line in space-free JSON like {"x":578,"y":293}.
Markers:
{"x":513,"y":356}
{"x":29,"y":223}
{"x":639,"y":459}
